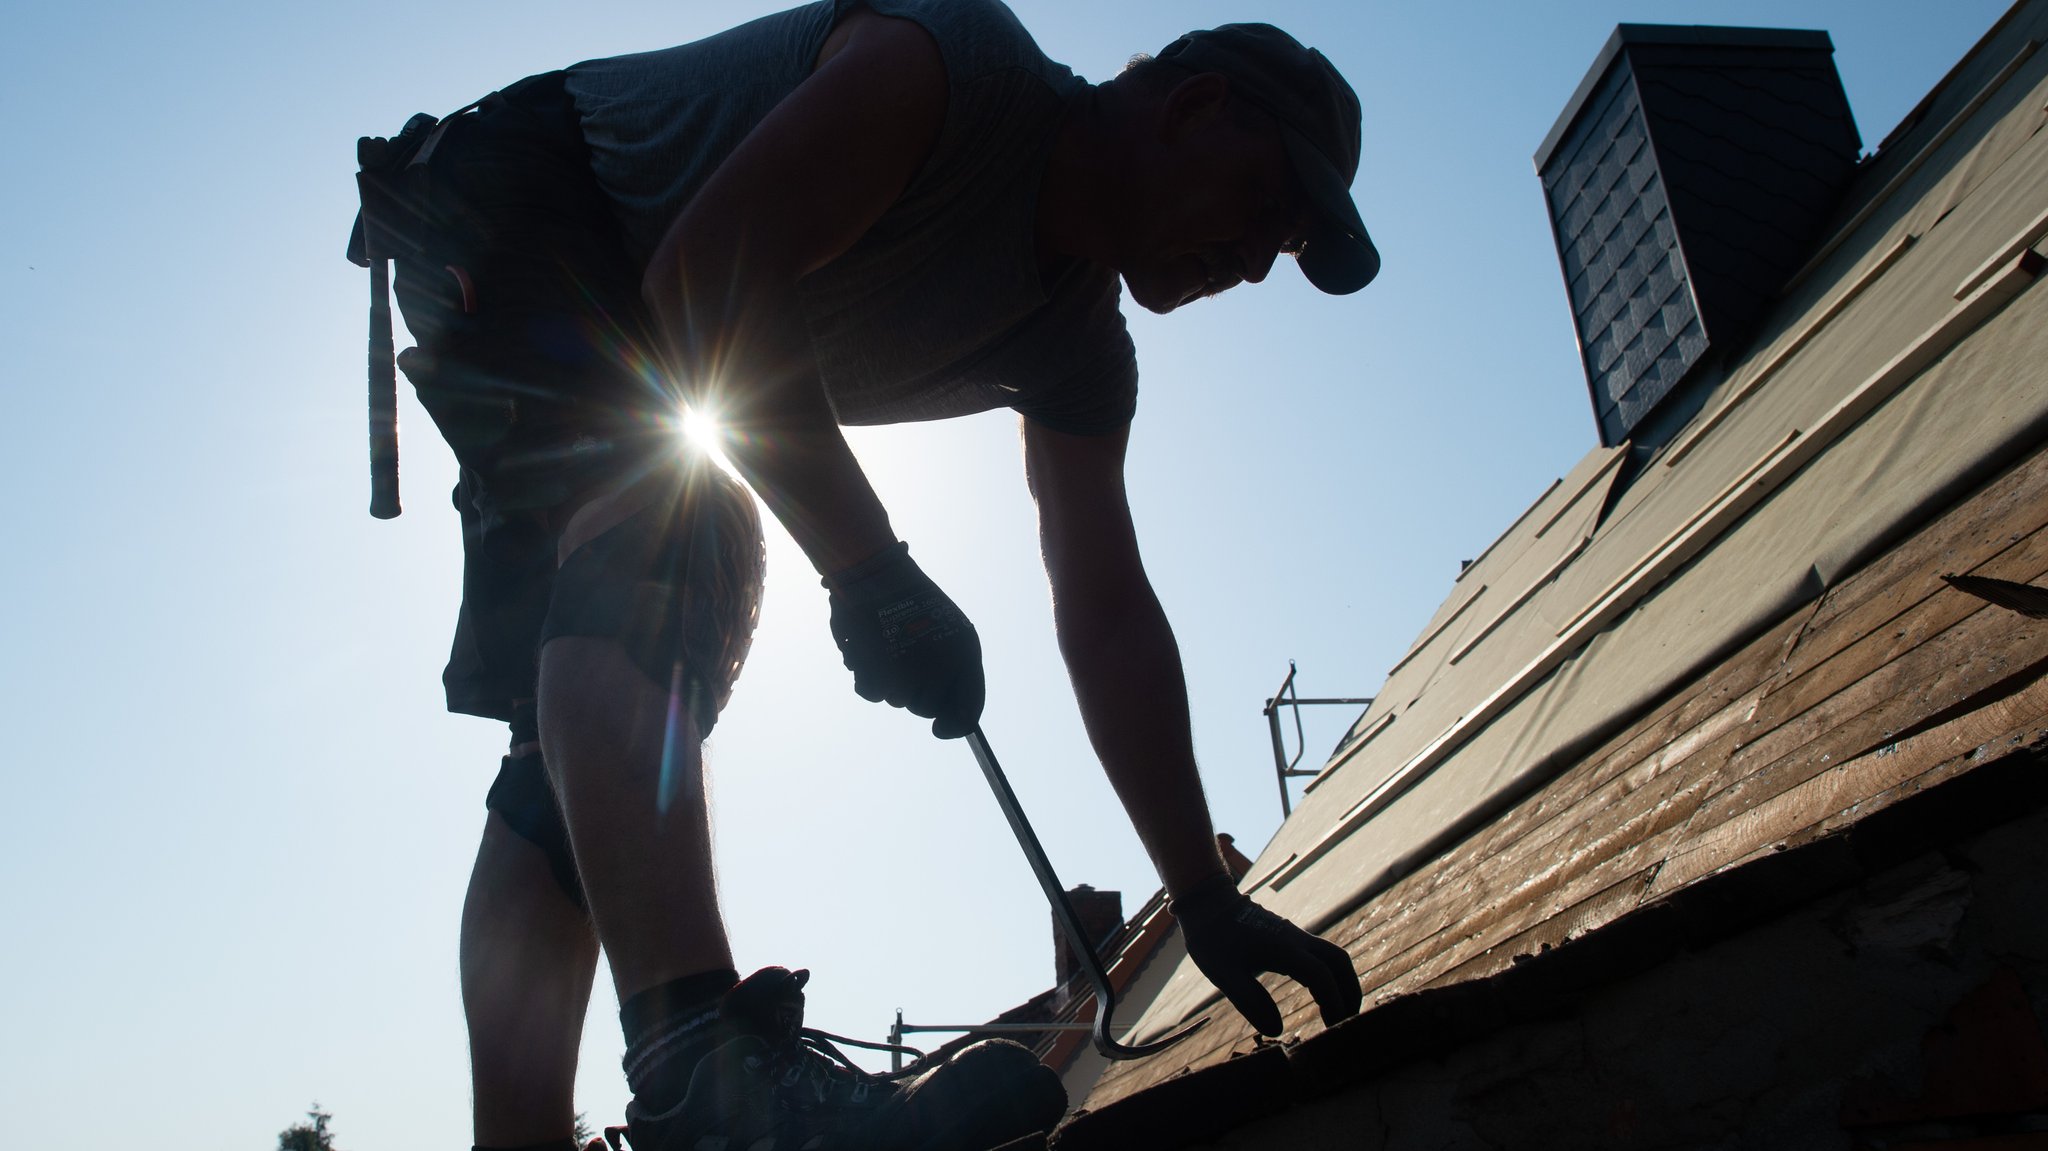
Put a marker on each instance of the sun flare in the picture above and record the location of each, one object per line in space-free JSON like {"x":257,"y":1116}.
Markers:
{"x":700,"y":431}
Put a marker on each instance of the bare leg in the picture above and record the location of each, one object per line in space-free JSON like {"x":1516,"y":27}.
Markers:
{"x":647,"y":872}
{"x":528,"y":956}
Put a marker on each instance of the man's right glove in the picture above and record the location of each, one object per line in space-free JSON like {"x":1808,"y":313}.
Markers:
{"x":1234,"y":940}
{"x":906,"y":642}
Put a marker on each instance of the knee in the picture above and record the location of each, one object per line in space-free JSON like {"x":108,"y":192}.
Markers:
{"x":673,"y":573}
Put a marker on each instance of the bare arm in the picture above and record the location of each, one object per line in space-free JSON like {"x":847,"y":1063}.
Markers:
{"x":800,"y":190}
{"x":1119,"y":649}
{"x":1127,"y":677}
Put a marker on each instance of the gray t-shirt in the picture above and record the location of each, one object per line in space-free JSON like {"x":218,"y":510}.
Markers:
{"x":939,"y":310}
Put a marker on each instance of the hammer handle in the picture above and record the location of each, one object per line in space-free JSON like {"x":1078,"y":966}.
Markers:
{"x":383,"y":397}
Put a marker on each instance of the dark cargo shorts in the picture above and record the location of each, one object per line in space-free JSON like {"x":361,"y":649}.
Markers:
{"x":531,"y":359}
{"x":534,"y":360}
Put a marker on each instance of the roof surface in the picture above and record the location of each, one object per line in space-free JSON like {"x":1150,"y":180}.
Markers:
{"x":1899,"y":369}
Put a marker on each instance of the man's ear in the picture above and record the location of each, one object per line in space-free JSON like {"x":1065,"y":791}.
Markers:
{"x":1193,"y":104}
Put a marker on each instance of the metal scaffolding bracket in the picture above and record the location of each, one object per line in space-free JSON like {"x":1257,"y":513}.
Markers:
{"x":1283,"y":767}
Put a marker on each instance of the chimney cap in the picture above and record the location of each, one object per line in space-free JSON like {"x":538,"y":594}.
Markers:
{"x":1699,"y":35}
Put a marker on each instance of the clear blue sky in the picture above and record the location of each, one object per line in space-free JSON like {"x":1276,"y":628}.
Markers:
{"x":239,"y":821}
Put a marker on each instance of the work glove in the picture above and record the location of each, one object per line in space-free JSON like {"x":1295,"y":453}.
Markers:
{"x":1233,"y":940}
{"x":907,"y":643}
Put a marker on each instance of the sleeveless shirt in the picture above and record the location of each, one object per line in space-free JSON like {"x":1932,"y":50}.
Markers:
{"x":939,"y":310}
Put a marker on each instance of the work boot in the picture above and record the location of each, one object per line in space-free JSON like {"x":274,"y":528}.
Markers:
{"x":765,"y":1083}
{"x":986,"y":1095}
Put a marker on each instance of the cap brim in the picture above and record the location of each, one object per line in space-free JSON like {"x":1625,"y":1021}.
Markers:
{"x":1338,"y":257}
{"x":1339,"y":263}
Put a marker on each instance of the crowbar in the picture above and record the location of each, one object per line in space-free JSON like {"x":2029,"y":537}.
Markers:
{"x":1063,"y":910}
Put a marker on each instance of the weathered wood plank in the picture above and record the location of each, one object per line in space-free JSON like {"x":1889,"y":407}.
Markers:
{"x":1538,"y":877}
{"x":1909,"y":767}
{"x":1984,"y":649}
{"x":1608,"y":892}
{"x":1923,"y":661}
{"x":1635,"y":842}
{"x":1424,"y":905}
{"x":1398,"y":929}
{"x":2022,"y":559}
{"x":1610,"y":889}
{"x":1852,"y":790}
{"x":1527,"y":871}
{"x":2014,"y":724}
{"x":1579,"y":819}
{"x":2008,"y":508}
{"x":1591,"y":913}
{"x":1692,"y":720}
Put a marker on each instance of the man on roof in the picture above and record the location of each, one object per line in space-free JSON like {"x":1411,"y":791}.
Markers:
{"x":847,"y":213}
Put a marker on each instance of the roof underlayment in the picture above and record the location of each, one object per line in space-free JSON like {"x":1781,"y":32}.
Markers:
{"x":1899,"y":369}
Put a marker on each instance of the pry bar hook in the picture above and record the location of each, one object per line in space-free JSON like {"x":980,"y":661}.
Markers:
{"x":1063,"y":910}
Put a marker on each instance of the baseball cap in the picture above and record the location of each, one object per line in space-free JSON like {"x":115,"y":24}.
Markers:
{"x":1319,"y":120}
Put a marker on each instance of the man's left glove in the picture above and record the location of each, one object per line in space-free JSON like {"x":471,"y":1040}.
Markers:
{"x":906,"y":642}
{"x":1234,"y":940}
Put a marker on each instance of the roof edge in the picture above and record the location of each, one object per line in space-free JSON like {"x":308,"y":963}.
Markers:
{"x":1913,"y":118}
{"x":1430,"y":1022}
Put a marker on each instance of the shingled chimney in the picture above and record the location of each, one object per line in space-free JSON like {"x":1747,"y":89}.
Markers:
{"x":1687,"y":179}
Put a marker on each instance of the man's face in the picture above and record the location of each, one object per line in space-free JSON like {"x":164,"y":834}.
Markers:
{"x":1213,"y":204}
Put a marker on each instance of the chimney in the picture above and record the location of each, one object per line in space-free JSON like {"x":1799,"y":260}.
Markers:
{"x":1687,"y":178}
{"x":1100,"y":912}
{"x":1235,"y":860}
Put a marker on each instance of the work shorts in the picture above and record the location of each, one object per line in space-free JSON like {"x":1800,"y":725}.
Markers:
{"x":535,"y":360}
